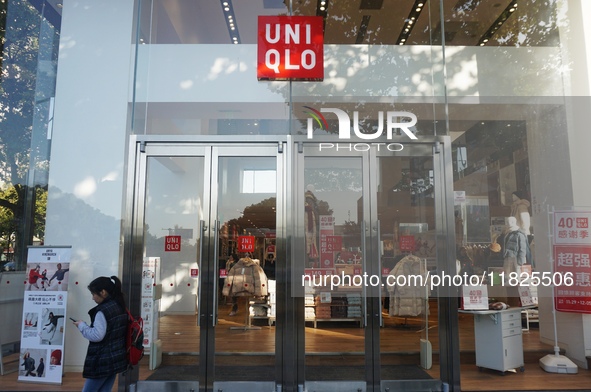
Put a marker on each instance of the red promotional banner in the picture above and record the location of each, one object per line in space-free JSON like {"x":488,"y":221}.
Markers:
{"x":326,"y":245}
{"x":572,"y":262}
{"x":290,"y":48}
{"x":246,"y":243}
{"x":571,"y":278}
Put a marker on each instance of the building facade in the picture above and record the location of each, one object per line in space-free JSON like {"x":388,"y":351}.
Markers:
{"x":153,"y":141}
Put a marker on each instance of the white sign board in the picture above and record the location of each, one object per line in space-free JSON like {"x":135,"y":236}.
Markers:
{"x":44,"y":314}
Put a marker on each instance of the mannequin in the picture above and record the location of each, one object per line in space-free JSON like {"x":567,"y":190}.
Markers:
{"x":310,"y":223}
{"x":514,"y":248}
{"x":520,"y":210}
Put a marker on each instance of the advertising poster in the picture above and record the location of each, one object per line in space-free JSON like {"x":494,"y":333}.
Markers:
{"x":326,"y":241}
{"x":44,"y":315}
{"x":572,"y":262}
{"x":150,"y":280}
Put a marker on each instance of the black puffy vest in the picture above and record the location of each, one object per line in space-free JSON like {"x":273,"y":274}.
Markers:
{"x":108,"y":356}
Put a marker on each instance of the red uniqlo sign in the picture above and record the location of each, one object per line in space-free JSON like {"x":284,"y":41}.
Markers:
{"x":246,"y":243}
{"x":290,"y":48}
{"x":172,"y":243}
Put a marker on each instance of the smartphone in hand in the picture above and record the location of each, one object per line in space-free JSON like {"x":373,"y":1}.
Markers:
{"x":74,"y":320}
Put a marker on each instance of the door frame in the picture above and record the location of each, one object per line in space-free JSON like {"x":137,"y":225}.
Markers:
{"x":290,"y":321}
{"x":439,"y":148}
{"x":211,"y":148}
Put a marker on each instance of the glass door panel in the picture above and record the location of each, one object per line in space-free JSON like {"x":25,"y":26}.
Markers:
{"x":407,"y":235}
{"x":246,"y":237}
{"x":245,"y":189}
{"x":175,"y":209}
{"x":368,"y":228}
{"x":202,"y":205}
{"x":334,"y":258}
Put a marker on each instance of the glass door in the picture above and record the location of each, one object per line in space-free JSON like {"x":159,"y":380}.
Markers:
{"x":406,"y":188}
{"x":171,"y":231}
{"x":200,"y":211}
{"x":369,"y":224}
{"x":246,"y":188}
{"x":331,"y":255}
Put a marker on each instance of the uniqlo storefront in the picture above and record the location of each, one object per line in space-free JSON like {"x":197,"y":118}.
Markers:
{"x":393,"y":152}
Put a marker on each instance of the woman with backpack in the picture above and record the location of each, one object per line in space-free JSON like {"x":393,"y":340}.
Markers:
{"x":106,"y":355}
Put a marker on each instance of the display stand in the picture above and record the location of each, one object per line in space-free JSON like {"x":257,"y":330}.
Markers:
{"x":556,"y":363}
{"x":498,"y":339}
{"x":247,"y":326}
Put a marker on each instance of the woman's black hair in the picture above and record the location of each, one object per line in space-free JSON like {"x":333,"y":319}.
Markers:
{"x":235,"y":256}
{"x":111,"y":285}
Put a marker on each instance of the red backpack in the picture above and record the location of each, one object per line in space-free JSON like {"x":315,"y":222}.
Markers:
{"x":134,"y":339}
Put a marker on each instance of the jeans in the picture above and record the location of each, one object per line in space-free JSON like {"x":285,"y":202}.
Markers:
{"x":104,"y":384}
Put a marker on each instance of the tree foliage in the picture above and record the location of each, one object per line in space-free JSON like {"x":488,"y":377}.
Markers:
{"x":22,"y":203}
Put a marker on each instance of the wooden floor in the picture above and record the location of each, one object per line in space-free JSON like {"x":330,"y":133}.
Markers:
{"x":400,"y":344}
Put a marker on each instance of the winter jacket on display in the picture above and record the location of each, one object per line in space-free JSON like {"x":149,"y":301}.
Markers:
{"x":515,"y":245}
{"x":408,"y":299}
{"x":245,"y":278}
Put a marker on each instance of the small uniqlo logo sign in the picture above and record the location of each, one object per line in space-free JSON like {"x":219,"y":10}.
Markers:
{"x":172,"y":243}
{"x":290,"y":48}
{"x":582,"y":223}
{"x":246,"y":243}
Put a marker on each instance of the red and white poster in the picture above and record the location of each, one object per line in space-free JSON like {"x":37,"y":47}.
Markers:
{"x":329,"y":243}
{"x":290,"y":48}
{"x":572,"y":265}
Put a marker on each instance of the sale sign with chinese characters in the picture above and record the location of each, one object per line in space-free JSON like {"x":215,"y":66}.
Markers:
{"x":572,"y":265}
{"x":572,"y":228}
{"x":290,"y":48}
{"x":329,"y":243}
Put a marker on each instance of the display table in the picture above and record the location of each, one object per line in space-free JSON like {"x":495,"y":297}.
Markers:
{"x":498,"y":339}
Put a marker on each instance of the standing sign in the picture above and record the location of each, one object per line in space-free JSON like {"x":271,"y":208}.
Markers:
{"x":290,"y":48}
{"x":572,"y":266}
{"x":151,"y":295}
{"x":44,"y":314}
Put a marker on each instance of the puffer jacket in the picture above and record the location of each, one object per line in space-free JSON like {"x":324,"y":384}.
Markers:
{"x":515,"y":245}
{"x":108,"y":356}
{"x":245,"y":278}
{"x":409,"y":299}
